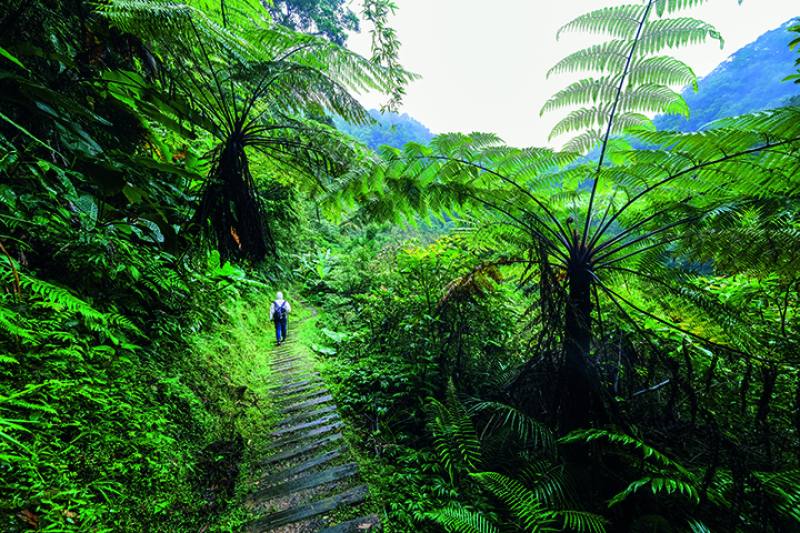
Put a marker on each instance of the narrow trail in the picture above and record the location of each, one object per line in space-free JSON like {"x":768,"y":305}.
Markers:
{"x":307,"y":482}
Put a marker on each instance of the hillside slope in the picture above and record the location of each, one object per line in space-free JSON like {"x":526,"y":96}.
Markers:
{"x":749,"y":80}
{"x":389,"y":129}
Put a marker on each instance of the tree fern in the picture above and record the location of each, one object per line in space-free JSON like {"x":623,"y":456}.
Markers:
{"x":254,"y":86}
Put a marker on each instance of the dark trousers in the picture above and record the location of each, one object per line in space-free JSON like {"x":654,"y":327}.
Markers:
{"x":280,"y":329}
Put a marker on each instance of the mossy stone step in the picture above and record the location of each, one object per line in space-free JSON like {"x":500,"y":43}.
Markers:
{"x":314,"y":462}
{"x":303,"y":396}
{"x":281,"y":518}
{"x":288,"y":379}
{"x":301,"y":417}
{"x":310,"y":387}
{"x":305,"y":425}
{"x":286,"y":360}
{"x":301,"y":450}
{"x":308,"y":403}
{"x":291,"y":370}
{"x":289,"y":387}
{"x":291,"y":440}
{"x":356,"y":525}
{"x":331,"y":475}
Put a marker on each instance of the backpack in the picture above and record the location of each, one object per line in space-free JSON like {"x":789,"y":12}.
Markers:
{"x":280,"y":311}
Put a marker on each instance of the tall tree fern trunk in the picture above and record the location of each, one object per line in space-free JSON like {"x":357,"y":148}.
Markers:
{"x":577,"y":384}
{"x":230,"y":209}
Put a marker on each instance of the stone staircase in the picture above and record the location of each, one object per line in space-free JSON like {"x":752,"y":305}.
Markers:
{"x":307,"y":481}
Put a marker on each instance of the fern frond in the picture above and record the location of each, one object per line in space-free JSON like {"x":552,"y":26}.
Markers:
{"x":582,"y":522}
{"x":457,"y":519}
{"x":784,"y":490}
{"x":616,"y":21}
{"x":527,"y":429}
{"x":455,"y":439}
{"x":521,"y":501}
{"x":658,"y":485}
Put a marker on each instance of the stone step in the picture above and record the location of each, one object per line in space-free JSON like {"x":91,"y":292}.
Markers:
{"x":301,"y":450}
{"x":288,"y":365}
{"x":309,"y":387}
{"x":289,"y":379}
{"x":285,"y":347}
{"x":291,"y":370}
{"x":280,"y":518}
{"x":308,"y":403}
{"x":309,"y":481}
{"x":301,"y":417}
{"x":302,"y":396}
{"x":305,"y":425}
{"x":292,"y":440}
{"x":314,"y":462}
{"x":290,"y":359}
{"x":356,"y":525}
{"x":295,"y":385}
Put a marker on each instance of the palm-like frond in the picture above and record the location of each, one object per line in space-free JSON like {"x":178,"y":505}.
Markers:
{"x":253,"y":85}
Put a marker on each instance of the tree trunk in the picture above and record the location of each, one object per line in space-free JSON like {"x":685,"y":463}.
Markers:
{"x":577,"y":383}
{"x":231,"y":207}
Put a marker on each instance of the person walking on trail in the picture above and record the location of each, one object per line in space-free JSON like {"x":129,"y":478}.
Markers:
{"x":279,"y":313}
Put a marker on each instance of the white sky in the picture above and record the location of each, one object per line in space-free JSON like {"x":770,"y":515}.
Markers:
{"x":484,"y":63}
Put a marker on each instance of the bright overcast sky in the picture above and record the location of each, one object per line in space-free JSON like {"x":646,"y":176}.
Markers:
{"x":484,"y":64}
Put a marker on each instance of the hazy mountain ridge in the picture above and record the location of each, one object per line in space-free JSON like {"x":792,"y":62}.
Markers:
{"x":749,"y":80}
{"x":389,"y":129}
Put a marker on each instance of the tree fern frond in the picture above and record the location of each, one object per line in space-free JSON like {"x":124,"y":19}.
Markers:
{"x":617,"y":21}
{"x":676,"y":32}
{"x":662,"y":70}
{"x":583,"y":92}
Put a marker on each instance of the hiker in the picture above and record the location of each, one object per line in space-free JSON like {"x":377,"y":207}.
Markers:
{"x":278,"y":313}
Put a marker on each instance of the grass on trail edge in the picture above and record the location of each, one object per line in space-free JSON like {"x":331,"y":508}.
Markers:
{"x":239,"y":350}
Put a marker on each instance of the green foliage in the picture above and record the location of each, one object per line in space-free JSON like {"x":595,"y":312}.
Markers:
{"x":524,"y":504}
{"x":633,"y":80}
{"x":253,"y":86}
{"x":749,"y":80}
{"x":459,"y":520}
{"x":330,"y":18}
{"x":784,"y":490}
{"x":455,"y":439}
{"x":601,"y":337}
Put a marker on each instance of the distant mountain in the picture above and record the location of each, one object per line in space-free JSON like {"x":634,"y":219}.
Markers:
{"x":749,"y":80}
{"x":390,"y":129}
